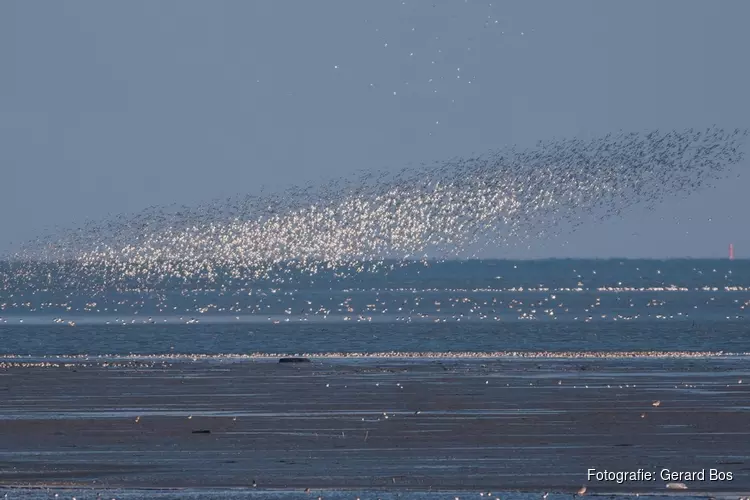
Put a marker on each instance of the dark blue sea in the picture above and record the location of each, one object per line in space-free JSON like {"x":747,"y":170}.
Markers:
{"x":430,"y":306}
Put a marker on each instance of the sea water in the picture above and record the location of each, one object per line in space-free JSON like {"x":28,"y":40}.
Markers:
{"x":431,"y":306}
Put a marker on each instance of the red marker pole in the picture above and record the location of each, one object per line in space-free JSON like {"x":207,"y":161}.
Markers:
{"x":731,"y":251}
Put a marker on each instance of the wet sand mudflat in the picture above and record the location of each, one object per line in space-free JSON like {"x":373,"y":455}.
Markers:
{"x":449,"y":424}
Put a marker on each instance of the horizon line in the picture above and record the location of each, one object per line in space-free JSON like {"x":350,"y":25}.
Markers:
{"x":430,"y":259}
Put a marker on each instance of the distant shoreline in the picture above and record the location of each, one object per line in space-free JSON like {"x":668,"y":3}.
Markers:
{"x":432,"y":260}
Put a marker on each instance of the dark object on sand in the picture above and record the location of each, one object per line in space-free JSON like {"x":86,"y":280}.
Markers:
{"x":294,"y":360}
{"x":202,"y":431}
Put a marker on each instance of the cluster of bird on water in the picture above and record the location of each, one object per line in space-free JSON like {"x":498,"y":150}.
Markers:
{"x":450,"y":209}
{"x":167,"y":360}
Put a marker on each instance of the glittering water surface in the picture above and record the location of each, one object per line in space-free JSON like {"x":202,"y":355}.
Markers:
{"x":436,"y":306}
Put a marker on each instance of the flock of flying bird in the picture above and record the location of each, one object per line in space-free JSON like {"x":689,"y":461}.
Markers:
{"x":452,"y":209}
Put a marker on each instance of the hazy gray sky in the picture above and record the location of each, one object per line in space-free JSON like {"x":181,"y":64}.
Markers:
{"x":113,"y":106}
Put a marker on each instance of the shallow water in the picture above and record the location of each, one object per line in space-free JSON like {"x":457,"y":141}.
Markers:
{"x":520,"y":423}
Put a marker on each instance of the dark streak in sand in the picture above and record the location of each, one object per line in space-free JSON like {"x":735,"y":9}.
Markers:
{"x":528,"y":424}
